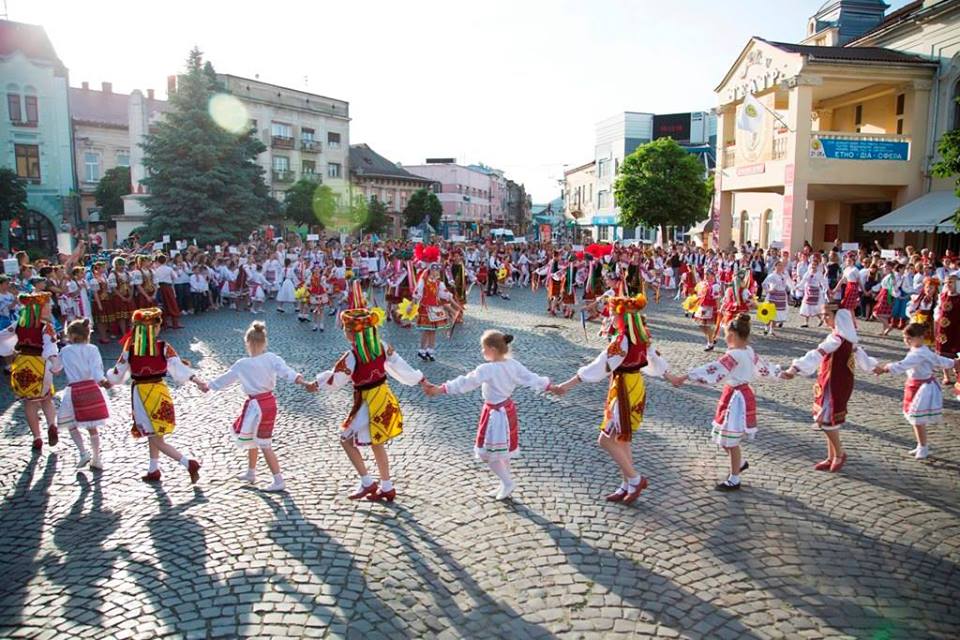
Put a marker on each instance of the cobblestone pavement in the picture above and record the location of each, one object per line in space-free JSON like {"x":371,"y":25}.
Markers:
{"x":871,"y":552}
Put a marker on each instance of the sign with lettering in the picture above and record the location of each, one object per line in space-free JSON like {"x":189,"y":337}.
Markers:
{"x":601,"y":221}
{"x":751,"y":169}
{"x":888,"y":254}
{"x":313,"y":237}
{"x":837,"y":148}
{"x":850,"y":246}
{"x":673,"y":125}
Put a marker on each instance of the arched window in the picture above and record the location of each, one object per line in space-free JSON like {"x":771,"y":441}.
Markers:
{"x":956,"y":105}
{"x":31,"y":106}
{"x":14,"y":104}
{"x":744,"y":227}
{"x":765,"y":223}
{"x":34,"y":233}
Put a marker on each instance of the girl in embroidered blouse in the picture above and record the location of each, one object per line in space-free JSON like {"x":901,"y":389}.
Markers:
{"x":498,"y":431}
{"x":736,"y":414}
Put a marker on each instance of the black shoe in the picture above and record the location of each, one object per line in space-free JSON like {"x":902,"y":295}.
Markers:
{"x":321,"y":330}
{"x":710,"y":346}
{"x":431,"y":358}
{"x":279,"y":310}
{"x":744,"y":466}
{"x":422,"y":355}
{"x":727,"y":486}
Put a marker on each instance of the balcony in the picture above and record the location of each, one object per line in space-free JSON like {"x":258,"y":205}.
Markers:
{"x":311,"y":176}
{"x":283,"y":175}
{"x":310,"y":146}
{"x":281,"y":142}
{"x":24,"y":123}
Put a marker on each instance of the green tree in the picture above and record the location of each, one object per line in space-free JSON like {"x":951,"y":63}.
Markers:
{"x":661,"y":185}
{"x":114,"y":184}
{"x":423,"y":204}
{"x":949,"y":164}
{"x":13,"y":194}
{"x":376,"y":220}
{"x":204,"y":181}
{"x":303,"y":201}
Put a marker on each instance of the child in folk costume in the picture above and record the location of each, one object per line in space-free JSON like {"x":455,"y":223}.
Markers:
{"x":288,"y":286}
{"x":165,"y":276}
{"x":885,"y":293}
{"x":814,"y":285}
{"x":79,"y":294}
{"x":498,"y":431}
{"x":947,"y":321}
{"x":34,"y":341}
{"x":568,"y":289}
{"x":736,"y":414}
{"x":923,"y":308}
{"x":375,"y":417}
{"x":922,"y":397}
{"x":833,"y":361}
{"x":144,"y":289}
{"x":146,"y":360}
{"x":317,"y":289}
{"x":101,"y":302}
{"x":257,"y":375}
{"x":122,"y":299}
{"x":708,"y":294}
{"x":257,"y":288}
{"x":621,"y":362}
{"x":777,"y":286}
{"x":737,"y":299}
{"x":848,"y":288}
{"x":83,"y":404}
{"x":430,"y":295}
{"x":399,"y":287}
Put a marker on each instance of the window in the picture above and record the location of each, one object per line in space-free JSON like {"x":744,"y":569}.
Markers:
{"x":956,"y":105}
{"x":899,"y":126}
{"x":123,"y":158}
{"x":603,"y":233}
{"x":858,"y":116}
{"x":281,"y":163}
{"x":91,"y":166}
{"x":306,"y":134}
{"x":281,"y":130}
{"x":333,"y":140}
{"x":252,"y":124}
{"x":901,"y":99}
{"x":333,"y":169}
{"x":309,"y":167}
{"x":13,"y":106}
{"x":33,"y":111}
{"x":373,"y":198}
{"x":28,"y":161}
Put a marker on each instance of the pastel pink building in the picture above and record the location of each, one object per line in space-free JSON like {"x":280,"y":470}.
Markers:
{"x":464,"y":192}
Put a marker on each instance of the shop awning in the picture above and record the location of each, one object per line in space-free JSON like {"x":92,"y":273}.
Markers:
{"x":703,"y":226}
{"x":932,"y":212}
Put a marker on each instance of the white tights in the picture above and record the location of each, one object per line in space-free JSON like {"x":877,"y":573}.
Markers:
{"x":502,"y":469}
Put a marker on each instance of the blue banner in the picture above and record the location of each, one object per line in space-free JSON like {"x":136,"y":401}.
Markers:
{"x":601,"y":221}
{"x":854,"y":149}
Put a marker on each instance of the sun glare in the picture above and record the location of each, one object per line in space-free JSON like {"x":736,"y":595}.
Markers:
{"x":228,"y":112}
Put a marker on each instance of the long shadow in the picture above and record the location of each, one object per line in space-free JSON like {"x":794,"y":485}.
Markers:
{"x":847,"y":557}
{"x":480,"y":619}
{"x":86,"y":562}
{"x":21,"y":532}
{"x":638,"y":586}
{"x":334,"y":566}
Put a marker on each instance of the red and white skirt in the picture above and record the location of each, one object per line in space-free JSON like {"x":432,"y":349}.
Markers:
{"x":498,"y":432}
{"x":168,"y":298}
{"x":736,"y":416}
{"x":254,"y":427}
{"x":923,"y":402}
{"x":851,"y":296}
{"x":83,"y":405}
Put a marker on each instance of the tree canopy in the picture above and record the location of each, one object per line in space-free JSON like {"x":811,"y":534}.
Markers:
{"x":423,"y":204}
{"x":661,"y":184}
{"x":114,"y":184}
{"x":13,"y":194}
{"x":204,"y":181}
{"x":949,"y":164}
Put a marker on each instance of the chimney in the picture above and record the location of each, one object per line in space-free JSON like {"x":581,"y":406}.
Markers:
{"x":171,"y":85}
{"x":85,"y":85}
{"x":149,"y":94}
{"x":107,"y":87}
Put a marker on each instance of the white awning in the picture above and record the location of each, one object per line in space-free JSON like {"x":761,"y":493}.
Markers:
{"x":932,"y":212}
{"x":703,"y":226}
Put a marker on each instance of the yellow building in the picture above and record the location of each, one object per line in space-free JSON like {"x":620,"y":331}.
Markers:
{"x":817,"y":142}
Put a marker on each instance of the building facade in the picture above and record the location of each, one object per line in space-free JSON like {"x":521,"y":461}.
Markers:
{"x":464,"y":193}
{"x":839,"y":136}
{"x":518,"y":208}
{"x":307,"y":135}
{"x":578,"y":194}
{"x":36,"y":140}
{"x":378,"y":179}
{"x":100,"y":121}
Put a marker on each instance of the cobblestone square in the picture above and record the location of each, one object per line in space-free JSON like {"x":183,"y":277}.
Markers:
{"x":870,"y":552}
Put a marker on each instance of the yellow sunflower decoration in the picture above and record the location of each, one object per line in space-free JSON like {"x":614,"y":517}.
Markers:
{"x":766,"y":312}
{"x":690,"y":304}
{"x":380,"y":315}
{"x":408,"y":310}
{"x":502,"y":274}
{"x":301,"y":294}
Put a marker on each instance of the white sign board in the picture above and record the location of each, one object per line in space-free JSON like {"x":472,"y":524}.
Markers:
{"x":458,"y":238}
{"x":10,"y":267}
{"x":166,"y":239}
{"x":313,"y":237}
{"x":888,"y":254}
{"x":850,"y":246}
{"x":216,"y":249}
{"x":174,"y":253}
{"x":181,"y":244}
{"x":578,"y":247}
{"x":234,"y":251}
{"x":776,"y":244}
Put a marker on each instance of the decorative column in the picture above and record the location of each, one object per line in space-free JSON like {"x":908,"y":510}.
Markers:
{"x":797,"y":216}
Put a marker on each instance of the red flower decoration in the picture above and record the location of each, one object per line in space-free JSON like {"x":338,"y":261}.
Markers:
{"x":165,"y":412}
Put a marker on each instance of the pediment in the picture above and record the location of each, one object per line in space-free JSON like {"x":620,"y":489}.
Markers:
{"x":761,"y":66}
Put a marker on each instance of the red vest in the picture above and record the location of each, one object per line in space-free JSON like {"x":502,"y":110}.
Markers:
{"x":30,"y":339}
{"x":148,"y":367}
{"x":636,"y":357}
{"x":835,"y":375}
{"x":370,"y":374}
{"x":430,"y":289}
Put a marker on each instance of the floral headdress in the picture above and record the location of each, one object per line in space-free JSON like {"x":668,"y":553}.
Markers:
{"x":627,"y":320}
{"x":363,"y":324}
{"x":31,"y":307}
{"x":144,"y":332}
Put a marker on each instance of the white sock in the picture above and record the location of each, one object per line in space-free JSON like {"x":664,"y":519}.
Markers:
{"x":502,"y":469}
{"x":95,"y":443}
{"x":732,"y":479}
{"x":154,"y":465}
{"x":278,"y":478}
{"x":634,"y":481}
{"x":366,"y":481}
{"x":77,"y":440}
{"x":386,"y":485}
{"x":624,"y":486}
{"x":185,"y":461}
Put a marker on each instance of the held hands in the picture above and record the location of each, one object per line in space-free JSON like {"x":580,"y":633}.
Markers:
{"x":676,"y":381}
{"x":203,"y":386}
{"x":429,"y":389}
{"x":789,"y":374}
{"x":105,"y":383}
{"x":311,"y":387}
{"x":880,"y":369}
{"x":557,"y":389}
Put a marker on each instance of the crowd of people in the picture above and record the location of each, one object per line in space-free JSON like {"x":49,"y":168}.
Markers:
{"x":51,"y":311}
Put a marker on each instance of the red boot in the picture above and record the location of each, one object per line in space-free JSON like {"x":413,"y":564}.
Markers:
{"x":37,"y":444}
{"x":617,"y":495}
{"x":53,"y":437}
{"x":634,"y":492}
{"x":193,"y":468}
{"x":824,"y":465}
{"x":152,"y":476}
{"x":383,"y":496}
{"x":838,"y":463}
{"x":365,"y":491}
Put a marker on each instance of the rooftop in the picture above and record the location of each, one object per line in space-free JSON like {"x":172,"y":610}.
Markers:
{"x":364,"y":161}
{"x":849,"y":54}
{"x":31,"y":40}
{"x":106,"y":107}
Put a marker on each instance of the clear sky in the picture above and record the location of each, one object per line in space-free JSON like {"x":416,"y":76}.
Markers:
{"x":516,"y":84}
